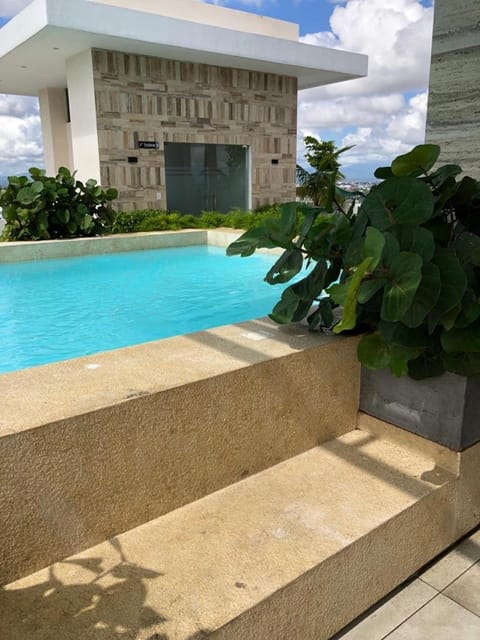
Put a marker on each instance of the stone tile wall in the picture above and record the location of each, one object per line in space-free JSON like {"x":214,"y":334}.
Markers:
{"x":146,"y":98}
{"x":454,"y":101}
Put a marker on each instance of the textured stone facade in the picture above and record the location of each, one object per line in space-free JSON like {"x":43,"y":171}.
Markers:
{"x":454,"y":101}
{"x":153,"y":99}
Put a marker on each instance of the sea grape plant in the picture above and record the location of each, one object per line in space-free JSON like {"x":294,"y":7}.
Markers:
{"x":403,"y":268}
{"x":39,"y":207}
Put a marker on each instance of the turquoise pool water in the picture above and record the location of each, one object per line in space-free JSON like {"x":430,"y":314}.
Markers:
{"x":54,"y":310}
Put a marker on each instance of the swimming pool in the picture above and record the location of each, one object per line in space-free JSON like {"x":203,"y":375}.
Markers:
{"x":58,"y":309}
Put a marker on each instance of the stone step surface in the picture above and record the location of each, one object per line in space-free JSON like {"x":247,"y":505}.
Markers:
{"x":296,"y":551}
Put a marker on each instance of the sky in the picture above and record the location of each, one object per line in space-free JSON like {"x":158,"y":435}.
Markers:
{"x":382,"y":115}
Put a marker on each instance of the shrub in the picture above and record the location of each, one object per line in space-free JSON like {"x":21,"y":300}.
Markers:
{"x":159,"y":220}
{"x":41,"y":207}
{"x":404,"y":271}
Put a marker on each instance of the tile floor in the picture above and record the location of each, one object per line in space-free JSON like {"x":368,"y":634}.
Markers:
{"x":441,"y":602}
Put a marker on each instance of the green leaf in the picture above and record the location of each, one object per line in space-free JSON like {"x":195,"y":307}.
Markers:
{"x":86,"y":223}
{"x":288,"y":218}
{"x":403,"y":279}
{"x":310,"y":287}
{"x":71,"y":227}
{"x":322,"y":316}
{"x":326,"y":311}
{"x":349,"y":316}
{"x":399,"y":201}
{"x":470,"y":310}
{"x":427,"y":365}
{"x":373,"y":352}
{"x":448,"y":319}
{"x":392,"y":248}
{"x":316,"y":242}
{"x":453,"y":282}
{"x":354,"y":253}
{"x":249,"y":242}
{"x":369,"y":288}
{"x":26,"y":195}
{"x":301,"y":311}
{"x":399,"y":359}
{"x":280,"y":236}
{"x":442,"y":173}
{"x":416,"y":240}
{"x":383,"y":173}
{"x":343,"y":231}
{"x":63,"y":215}
{"x":286,"y":267}
{"x":111,"y":193}
{"x":467,"y":248}
{"x":440,"y":230}
{"x":284,"y":311}
{"x":463,"y":364}
{"x":338,"y":292}
{"x":373,"y":246}
{"x":417,"y":161}
{"x":359,"y":225}
{"x":426,"y":296}
{"x":398,"y":334}
{"x":37,"y":187}
{"x":466,"y":340}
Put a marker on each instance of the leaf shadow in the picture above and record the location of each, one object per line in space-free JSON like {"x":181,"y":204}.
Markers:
{"x":104,"y":604}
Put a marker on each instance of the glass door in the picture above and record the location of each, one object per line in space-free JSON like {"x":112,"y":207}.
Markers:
{"x":206,"y":177}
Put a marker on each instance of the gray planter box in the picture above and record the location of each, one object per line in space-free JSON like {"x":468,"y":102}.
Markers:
{"x":445,"y":409}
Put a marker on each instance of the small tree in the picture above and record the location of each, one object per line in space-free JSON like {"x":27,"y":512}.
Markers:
{"x":322,"y":156}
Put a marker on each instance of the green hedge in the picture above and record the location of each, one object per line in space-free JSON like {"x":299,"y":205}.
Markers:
{"x":157,"y":220}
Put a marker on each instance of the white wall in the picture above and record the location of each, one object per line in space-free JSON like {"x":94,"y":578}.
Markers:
{"x":195,"y":11}
{"x":55,"y":132}
{"x":83,"y":116}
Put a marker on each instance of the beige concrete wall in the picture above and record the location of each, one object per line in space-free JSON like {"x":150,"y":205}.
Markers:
{"x":146,"y":98}
{"x":55,"y":130}
{"x":47,"y":249}
{"x":196,"y":11}
{"x":109,"y":442}
{"x":293,"y":553}
{"x":453,"y":119}
{"x":83,"y":116}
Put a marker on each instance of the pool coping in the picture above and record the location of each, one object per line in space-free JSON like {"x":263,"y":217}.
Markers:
{"x":74,"y":247}
{"x":118,"y":243}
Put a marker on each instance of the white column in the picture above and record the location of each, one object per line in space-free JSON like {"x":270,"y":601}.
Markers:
{"x":56,"y":143}
{"x":83,"y":116}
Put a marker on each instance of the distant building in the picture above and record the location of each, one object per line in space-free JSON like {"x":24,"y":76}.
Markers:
{"x":180,"y":105}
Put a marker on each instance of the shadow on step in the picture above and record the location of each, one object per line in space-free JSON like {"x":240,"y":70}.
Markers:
{"x":107,"y":604}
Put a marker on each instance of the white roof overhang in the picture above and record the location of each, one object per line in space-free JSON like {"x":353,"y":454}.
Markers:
{"x":37,"y":42}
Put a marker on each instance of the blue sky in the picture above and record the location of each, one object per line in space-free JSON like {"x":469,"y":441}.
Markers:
{"x":310,"y":15}
{"x":382,"y":115}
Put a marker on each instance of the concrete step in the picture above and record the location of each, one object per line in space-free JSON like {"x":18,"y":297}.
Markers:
{"x":109,"y":442}
{"x":293,"y":552}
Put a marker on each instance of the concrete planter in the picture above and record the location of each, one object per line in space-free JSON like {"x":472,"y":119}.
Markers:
{"x":445,"y":409}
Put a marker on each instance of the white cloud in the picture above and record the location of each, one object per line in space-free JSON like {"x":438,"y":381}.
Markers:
{"x":20,"y":130}
{"x":398,"y":134}
{"x":20,"y":134}
{"x":9,"y":8}
{"x":396,"y":35}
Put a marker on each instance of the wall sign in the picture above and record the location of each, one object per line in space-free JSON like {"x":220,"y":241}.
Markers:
{"x":148,"y":144}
